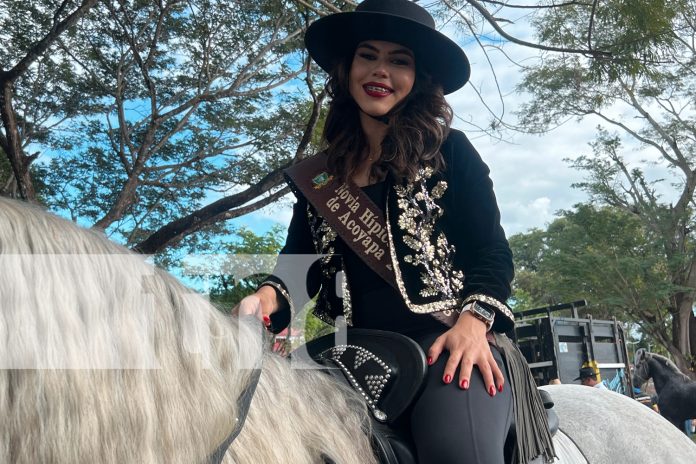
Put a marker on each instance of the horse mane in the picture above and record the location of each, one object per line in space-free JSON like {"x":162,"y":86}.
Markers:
{"x":108,"y":359}
{"x":670,"y":365}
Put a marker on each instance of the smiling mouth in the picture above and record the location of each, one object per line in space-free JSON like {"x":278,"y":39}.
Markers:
{"x":377,"y":90}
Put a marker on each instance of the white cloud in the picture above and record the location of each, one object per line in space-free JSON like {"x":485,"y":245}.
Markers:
{"x":531,"y":170}
{"x":279,"y":212}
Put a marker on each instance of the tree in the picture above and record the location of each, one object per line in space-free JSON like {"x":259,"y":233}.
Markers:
{"x":227,"y":290}
{"x":604,"y":255}
{"x":146,"y":110}
{"x":645,"y":91}
{"x":28,"y":32}
{"x":189,"y":104}
{"x":252,"y":256}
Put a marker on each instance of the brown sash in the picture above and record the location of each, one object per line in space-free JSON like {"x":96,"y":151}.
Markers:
{"x":349,"y":211}
{"x":354,"y":216}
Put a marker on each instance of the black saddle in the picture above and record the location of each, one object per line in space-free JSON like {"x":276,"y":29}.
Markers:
{"x":388,"y":369}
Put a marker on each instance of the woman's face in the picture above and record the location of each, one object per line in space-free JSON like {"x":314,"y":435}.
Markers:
{"x":382,"y":74}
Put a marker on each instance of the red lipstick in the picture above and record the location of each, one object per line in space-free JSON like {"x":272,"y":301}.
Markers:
{"x":377,"y":90}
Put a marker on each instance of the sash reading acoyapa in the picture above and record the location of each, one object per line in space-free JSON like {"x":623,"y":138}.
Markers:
{"x":353,"y":215}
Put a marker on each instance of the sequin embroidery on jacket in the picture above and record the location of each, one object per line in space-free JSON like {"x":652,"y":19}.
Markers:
{"x":419,"y":213}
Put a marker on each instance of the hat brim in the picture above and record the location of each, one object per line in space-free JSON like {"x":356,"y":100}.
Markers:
{"x":333,"y":37}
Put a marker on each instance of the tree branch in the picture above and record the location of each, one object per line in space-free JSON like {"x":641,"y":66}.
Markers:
{"x":494,"y":23}
{"x":535,"y":7}
{"x":196,"y":158}
{"x":178,"y":229}
{"x":38,"y":48}
{"x":636,"y":135}
{"x":682,"y":163}
{"x":590,"y":26}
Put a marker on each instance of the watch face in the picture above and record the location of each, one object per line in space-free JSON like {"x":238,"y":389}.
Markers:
{"x":485,"y":312}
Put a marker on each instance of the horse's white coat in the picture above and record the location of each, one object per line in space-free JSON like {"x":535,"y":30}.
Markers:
{"x":566,"y":450}
{"x":82,"y":382}
{"x":613,"y":429}
{"x":181,"y":411}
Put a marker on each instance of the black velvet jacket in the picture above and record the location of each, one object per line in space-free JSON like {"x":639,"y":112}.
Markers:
{"x":447,"y":246}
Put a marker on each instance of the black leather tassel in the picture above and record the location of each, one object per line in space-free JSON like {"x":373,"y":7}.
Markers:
{"x":533,"y":436}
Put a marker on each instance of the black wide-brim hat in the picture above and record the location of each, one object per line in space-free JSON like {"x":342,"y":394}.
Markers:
{"x":336,"y":36}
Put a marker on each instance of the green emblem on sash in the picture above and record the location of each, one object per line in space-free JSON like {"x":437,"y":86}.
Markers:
{"x":321,"y":180}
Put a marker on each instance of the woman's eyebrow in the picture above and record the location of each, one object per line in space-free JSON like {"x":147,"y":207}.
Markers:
{"x":366,"y":45}
{"x":398,"y":51}
{"x":402,"y":51}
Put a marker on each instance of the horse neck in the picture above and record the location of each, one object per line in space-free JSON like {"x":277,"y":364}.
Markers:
{"x":661,"y":374}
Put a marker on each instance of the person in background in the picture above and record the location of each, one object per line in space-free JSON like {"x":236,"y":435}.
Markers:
{"x":588,"y":377}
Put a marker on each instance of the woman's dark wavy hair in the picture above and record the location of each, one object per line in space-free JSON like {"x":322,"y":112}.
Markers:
{"x":418,"y":126}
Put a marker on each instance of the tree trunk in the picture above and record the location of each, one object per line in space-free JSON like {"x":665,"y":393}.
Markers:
{"x":216,"y":211}
{"x":124,"y":200}
{"x":681,"y":361}
{"x":682,"y":333}
{"x":13,"y":144}
{"x":681,"y":328}
{"x":692,"y":339}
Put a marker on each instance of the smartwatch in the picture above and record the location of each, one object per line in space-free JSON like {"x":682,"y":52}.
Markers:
{"x":481,"y":313}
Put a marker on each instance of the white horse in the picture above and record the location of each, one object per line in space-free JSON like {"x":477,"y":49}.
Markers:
{"x":601,"y":426}
{"x":106,"y":359}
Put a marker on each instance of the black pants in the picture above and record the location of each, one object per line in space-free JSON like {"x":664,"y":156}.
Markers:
{"x":451,"y":425}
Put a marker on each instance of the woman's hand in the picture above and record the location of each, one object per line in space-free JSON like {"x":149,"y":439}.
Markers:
{"x":467,"y":345}
{"x":260,"y":305}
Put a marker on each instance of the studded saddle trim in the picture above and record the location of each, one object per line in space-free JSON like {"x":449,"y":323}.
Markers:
{"x":366,"y":372}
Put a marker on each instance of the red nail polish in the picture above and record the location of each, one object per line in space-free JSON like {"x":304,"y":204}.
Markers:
{"x":491,"y":390}
{"x":500,"y":388}
{"x":430,"y":361}
{"x":266,"y":320}
{"x":448,"y":378}
{"x":464,"y":384}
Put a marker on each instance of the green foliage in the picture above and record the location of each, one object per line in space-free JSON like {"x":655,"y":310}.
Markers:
{"x":647,"y":42}
{"x":644,"y":89}
{"x":315,"y":327}
{"x":634,"y":33}
{"x":603,"y":255}
{"x":226,"y":290}
{"x":51,"y":90}
{"x":179,"y":101}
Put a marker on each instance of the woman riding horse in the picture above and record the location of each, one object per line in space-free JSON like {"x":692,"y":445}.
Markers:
{"x":402,"y":208}
{"x":106,"y":359}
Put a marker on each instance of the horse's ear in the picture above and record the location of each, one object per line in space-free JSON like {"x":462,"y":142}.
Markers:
{"x":640,"y":355}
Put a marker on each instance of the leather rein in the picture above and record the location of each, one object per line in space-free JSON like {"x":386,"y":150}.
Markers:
{"x":243,"y":405}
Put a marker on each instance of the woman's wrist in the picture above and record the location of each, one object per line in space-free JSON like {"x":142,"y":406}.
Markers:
{"x":466,"y":319}
{"x":480,"y":312}
{"x":268,"y":299}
